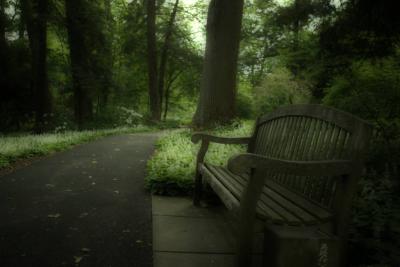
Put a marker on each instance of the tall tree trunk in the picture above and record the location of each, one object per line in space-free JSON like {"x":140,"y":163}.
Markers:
{"x":164,"y":52}
{"x":36,"y":12}
{"x":154,"y":96}
{"x":83,"y":107}
{"x":218,"y":87}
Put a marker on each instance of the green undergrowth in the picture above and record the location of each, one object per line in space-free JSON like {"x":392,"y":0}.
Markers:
{"x":13,"y":148}
{"x":171,"y":169}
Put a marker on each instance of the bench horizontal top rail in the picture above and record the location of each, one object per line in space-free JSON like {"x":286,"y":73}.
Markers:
{"x":340,"y":118}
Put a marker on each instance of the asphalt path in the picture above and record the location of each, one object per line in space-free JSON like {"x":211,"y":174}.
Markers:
{"x":83,"y":207}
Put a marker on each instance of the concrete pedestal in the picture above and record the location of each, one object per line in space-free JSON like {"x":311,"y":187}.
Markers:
{"x":299,"y":247}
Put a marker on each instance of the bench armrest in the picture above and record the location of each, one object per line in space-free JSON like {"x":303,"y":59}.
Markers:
{"x":243,"y":162}
{"x":207,"y":138}
{"x":196,"y":137}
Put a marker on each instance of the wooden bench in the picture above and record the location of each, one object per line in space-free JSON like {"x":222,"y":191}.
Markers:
{"x":299,"y":173}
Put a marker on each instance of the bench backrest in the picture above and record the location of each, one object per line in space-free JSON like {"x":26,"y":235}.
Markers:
{"x":314,"y":132}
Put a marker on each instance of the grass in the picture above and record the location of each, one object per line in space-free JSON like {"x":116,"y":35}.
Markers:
{"x":171,"y":169}
{"x":13,"y":148}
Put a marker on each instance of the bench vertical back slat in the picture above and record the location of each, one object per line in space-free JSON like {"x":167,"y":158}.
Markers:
{"x":309,"y":133}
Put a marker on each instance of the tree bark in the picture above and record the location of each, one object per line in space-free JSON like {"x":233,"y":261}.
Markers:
{"x":154,"y":96}
{"x":218,"y":86}
{"x":168,"y":91}
{"x":164,"y":52}
{"x":3,"y":52}
{"x":107,"y":54}
{"x":36,"y":13}
{"x":2,"y":24}
{"x":83,"y":107}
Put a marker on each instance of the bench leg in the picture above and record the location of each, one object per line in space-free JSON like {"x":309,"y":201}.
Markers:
{"x":247,"y":218}
{"x":245,"y":243}
{"x":198,"y":188}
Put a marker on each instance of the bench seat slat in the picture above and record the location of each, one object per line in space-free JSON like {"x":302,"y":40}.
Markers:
{"x":231,"y":181}
{"x":272,"y":210}
{"x":276,"y":204}
{"x":317,"y":211}
{"x":226,"y":196}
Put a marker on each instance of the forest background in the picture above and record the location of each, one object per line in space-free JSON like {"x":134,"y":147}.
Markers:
{"x":74,"y":65}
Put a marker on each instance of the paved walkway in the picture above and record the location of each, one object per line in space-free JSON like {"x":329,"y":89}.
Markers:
{"x":188,"y":236}
{"x":83,"y":207}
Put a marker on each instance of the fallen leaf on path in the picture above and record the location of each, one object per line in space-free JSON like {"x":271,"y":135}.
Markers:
{"x":116,"y":192}
{"x":78,"y":259}
{"x":56,"y":215}
{"x":50,"y":185}
{"x":85,"y":250}
{"x":93,"y":183}
{"x":84,"y":214}
{"x":94,"y":161}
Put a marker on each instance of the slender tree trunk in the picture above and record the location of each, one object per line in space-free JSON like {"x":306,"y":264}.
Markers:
{"x":154,"y":96}
{"x":22,"y":19}
{"x":164,"y":51}
{"x":83,"y":107}
{"x":107,"y":54}
{"x":3,"y":51}
{"x":2,"y":24}
{"x":167,"y":93}
{"x":296,"y":30}
{"x":35,"y":13}
{"x":218,"y":87}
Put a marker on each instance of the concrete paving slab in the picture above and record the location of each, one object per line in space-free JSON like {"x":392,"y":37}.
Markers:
{"x":187,"y":234}
{"x":167,"y":259}
{"x":183,"y":206}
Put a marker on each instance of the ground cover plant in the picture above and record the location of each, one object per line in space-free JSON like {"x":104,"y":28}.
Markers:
{"x":13,"y":148}
{"x":171,"y":170}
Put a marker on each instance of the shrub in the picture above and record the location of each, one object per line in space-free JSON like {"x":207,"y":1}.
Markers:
{"x":280,"y":88}
{"x":171,"y":169}
{"x":371,"y":90}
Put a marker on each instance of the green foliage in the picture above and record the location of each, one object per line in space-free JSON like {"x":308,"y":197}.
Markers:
{"x":280,"y":88}
{"x":14,"y":148}
{"x":171,"y":169}
{"x":376,"y":221}
{"x":245,"y":101}
{"x":371,"y":90}
{"x":116,"y":116}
